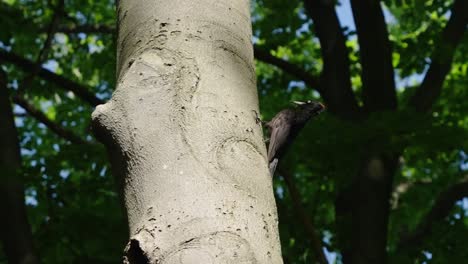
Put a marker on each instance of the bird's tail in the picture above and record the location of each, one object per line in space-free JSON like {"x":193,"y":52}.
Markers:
{"x":273,"y":165}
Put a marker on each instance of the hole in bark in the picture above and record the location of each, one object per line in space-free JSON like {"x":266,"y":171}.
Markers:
{"x":135,"y":254}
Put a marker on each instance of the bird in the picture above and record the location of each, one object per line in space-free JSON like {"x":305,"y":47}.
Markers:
{"x":285,"y":127}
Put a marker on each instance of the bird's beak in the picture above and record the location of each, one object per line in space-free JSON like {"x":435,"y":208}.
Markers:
{"x":298,"y":102}
{"x":323,"y":106}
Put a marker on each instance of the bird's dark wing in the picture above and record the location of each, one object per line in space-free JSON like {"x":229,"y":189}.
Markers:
{"x":280,"y":129}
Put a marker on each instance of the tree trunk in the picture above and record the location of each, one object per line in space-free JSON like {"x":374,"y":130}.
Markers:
{"x":362,"y":211}
{"x":182,"y":136}
{"x":15,"y":230}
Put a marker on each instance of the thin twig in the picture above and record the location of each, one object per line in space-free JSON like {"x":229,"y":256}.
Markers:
{"x":64,"y":83}
{"x":44,"y":52}
{"x":442,"y":206}
{"x":41,"y":117}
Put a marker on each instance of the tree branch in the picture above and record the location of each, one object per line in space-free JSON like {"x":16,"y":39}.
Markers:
{"x":51,"y":30}
{"x":287,"y":67}
{"x":442,"y":57}
{"x":62,"y":82}
{"x":315,"y":240}
{"x":41,"y":117}
{"x":403,"y":188}
{"x":375,"y":55}
{"x":87,"y":29}
{"x":441,"y":209}
{"x":44,"y":52}
{"x":335,"y":78}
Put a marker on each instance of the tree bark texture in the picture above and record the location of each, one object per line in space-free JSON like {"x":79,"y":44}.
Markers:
{"x":182,"y":136}
{"x":15,"y":230}
{"x":375,"y":55}
{"x":362,"y":211}
{"x":335,"y":79}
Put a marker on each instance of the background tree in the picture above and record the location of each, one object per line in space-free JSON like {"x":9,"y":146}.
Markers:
{"x":381,"y":175}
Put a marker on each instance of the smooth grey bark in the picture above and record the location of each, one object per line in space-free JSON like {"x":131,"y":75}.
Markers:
{"x":15,"y":231}
{"x":182,"y":135}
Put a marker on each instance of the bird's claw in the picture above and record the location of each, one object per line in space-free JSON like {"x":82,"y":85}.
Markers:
{"x":257,"y":118}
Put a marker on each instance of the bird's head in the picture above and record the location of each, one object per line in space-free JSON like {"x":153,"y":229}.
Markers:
{"x":313,"y":108}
